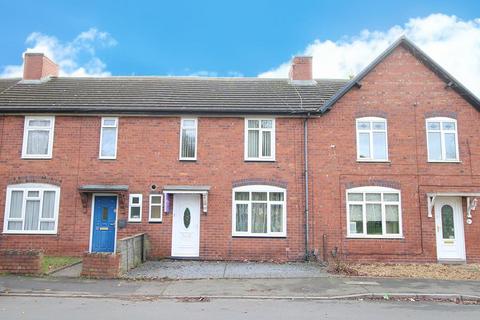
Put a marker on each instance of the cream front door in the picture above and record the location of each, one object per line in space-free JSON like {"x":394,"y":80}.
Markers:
{"x":186,"y":225}
{"x":449,"y":229}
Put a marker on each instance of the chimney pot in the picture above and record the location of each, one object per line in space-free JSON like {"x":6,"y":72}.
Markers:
{"x":37,"y":66}
{"x":301,"y":69}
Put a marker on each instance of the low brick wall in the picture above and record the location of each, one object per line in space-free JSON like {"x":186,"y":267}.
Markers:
{"x":133,"y":251}
{"x":21,"y":261}
{"x":101,"y":265}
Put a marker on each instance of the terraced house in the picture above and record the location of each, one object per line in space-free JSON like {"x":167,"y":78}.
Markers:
{"x":381,"y":167}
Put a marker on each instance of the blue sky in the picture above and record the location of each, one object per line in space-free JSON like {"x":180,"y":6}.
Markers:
{"x":221,"y":38}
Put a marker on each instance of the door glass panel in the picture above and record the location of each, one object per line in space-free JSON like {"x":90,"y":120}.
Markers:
{"x":104,"y":214}
{"x":448,"y":226}
{"x":186,"y":218}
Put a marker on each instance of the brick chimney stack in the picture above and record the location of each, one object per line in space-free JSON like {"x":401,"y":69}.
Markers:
{"x":38,"y":67}
{"x":301,"y":70}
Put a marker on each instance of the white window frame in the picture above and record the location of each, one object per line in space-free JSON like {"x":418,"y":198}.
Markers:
{"x":50,"y":130}
{"x":259,"y":188}
{"x":102,"y":125}
{"x":136,"y":205}
{"x":181,"y":139}
{"x":442,"y":138}
{"x":150,"y":205}
{"x":382,"y":191}
{"x":370,"y":132}
{"x":26,"y":187}
{"x":260,"y":142}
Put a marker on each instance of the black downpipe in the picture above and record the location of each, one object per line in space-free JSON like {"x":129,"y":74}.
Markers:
{"x":305,"y":155}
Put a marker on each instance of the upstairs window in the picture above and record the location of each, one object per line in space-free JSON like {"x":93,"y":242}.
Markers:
{"x":108,"y":138}
{"x":188,"y":139}
{"x":38,"y":137}
{"x":31,"y":208}
{"x":259,"y":211}
{"x":135,"y":208}
{"x":372,"y":142}
{"x":374,"y":212}
{"x":442,"y":140}
{"x":260,"y":139}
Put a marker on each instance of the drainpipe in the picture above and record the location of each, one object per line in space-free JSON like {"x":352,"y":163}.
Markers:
{"x":305,"y":155}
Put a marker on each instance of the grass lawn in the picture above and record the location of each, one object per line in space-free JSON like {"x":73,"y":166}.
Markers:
{"x":52,"y":263}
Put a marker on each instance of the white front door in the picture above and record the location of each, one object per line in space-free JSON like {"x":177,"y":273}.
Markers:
{"x":186,"y":225}
{"x":449,"y":229}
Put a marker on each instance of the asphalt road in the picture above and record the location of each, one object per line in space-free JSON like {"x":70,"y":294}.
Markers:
{"x":12,"y":308}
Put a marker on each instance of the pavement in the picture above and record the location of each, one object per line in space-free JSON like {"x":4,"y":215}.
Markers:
{"x":317,"y":288}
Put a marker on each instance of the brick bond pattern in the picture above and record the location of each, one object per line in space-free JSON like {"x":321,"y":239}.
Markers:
{"x":21,"y":261}
{"x":400,"y":88}
{"x":101,"y":265}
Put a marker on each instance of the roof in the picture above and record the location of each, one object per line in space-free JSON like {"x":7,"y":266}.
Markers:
{"x":7,"y":83}
{"x":139,"y":95}
{"x":422,"y":56}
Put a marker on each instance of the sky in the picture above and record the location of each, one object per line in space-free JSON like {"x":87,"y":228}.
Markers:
{"x":235,"y":38}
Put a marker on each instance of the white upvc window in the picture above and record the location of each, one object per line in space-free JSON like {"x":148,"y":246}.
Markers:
{"x":108,"y":138}
{"x":259,"y":139}
{"x":38,"y":137}
{"x":31,"y":208}
{"x":372,"y":139}
{"x":155,"y":211}
{"x":259,"y":211}
{"x":442,"y":140}
{"x":135,"y":208}
{"x":374,"y":212}
{"x":188,"y":139}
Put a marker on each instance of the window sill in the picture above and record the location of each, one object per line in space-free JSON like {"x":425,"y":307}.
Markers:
{"x":36,"y":157}
{"x":259,"y":236}
{"x":376,"y":237}
{"x":187,"y":160}
{"x":153,"y":221}
{"x":259,"y":160}
{"x":373,"y":161}
{"x":444,"y":161}
{"x":134,"y":221}
{"x":52,"y":233}
{"x":107,"y":158}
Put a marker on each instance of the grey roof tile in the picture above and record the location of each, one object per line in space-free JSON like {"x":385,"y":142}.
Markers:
{"x":167,"y":95}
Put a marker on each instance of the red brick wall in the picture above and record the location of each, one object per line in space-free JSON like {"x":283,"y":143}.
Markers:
{"x":148,"y":154}
{"x":406,"y":92}
{"x":21,"y":261}
{"x":100,"y":265}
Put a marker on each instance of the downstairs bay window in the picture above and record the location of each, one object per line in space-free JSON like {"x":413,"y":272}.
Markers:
{"x":32,"y":208}
{"x":374,"y":212}
{"x":259,"y":211}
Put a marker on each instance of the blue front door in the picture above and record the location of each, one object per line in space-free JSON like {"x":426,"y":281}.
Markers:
{"x":104,"y":217}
